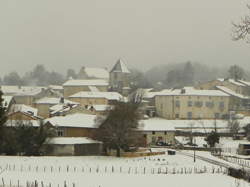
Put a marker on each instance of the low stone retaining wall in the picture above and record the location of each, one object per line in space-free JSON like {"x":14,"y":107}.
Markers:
{"x":137,"y":154}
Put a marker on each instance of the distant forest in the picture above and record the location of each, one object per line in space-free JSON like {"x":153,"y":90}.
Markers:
{"x":161,"y":76}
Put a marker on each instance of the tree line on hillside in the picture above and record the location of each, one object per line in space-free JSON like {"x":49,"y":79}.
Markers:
{"x":190,"y":74}
{"x":39,"y":76}
{"x":162,"y":76}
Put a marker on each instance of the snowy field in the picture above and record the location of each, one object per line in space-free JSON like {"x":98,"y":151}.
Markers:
{"x":164,"y":170}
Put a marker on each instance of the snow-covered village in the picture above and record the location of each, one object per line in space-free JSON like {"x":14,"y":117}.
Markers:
{"x":124,"y":93}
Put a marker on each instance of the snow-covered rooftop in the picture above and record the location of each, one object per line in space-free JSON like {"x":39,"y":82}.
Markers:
{"x":99,"y":73}
{"x":24,"y":108}
{"x":84,"y":82}
{"x":238,"y":83}
{"x":56,"y":87}
{"x":21,"y":90}
{"x":74,"y":120}
{"x":101,"y":107}
{"x":107,"y":95}
{"x":232,"y":81}
{"x":155,"y":124}
{"x":191,"y":92}
{"x":145,"y":93}
{"x":93,"y":89}
{"x":161,"y":124}
{"x":61,"y":107}
{"x":120,"y":66}
{"x":53,"y":101}
{"x":71,"y":140}
{"x":231,"y":92}
{"x":247,"y":83}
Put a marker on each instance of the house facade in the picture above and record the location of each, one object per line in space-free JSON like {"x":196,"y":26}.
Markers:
{"x":44,"y":104}
{"x":237,"y":86}
{"x":74,"y":125}
{"x":192,"y":104}
{"x":157,"y":131}
{"x":71,"y":146}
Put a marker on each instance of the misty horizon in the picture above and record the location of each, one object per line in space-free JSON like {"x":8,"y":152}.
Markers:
{"x":62,"y":34}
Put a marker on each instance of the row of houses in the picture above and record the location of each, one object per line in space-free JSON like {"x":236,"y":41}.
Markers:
{"x":217,"y":99}
{"x":72,"y":108}
{"x":93,"y":93}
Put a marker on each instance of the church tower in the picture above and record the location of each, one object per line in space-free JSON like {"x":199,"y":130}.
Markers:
{"x":119,"y":78}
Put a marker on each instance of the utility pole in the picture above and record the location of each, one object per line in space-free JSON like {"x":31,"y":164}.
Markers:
{"x":194,"y":150}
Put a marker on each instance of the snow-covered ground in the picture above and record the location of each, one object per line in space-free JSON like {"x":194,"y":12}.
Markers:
{"x":163,"y":170}
{"x":229,"y":145}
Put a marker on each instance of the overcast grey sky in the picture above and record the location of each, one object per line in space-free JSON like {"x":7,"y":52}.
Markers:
{"x":65,"y":34}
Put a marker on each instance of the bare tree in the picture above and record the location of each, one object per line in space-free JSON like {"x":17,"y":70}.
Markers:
{"x":117,"y":130}
{"x":236,"y":72}
{"x":191,"y":136}
{"x":241,"y":30}
{"x":3,"y":119}
{"x":233,"y":126}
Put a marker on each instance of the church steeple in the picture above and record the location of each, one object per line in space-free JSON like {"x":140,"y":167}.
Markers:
{"x":120,"y":66}
{"x":119,"y":77}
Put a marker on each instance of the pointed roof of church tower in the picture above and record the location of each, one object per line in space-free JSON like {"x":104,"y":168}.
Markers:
{"x":120,"y":66}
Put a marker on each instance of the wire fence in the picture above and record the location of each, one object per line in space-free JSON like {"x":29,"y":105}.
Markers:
{"x":34,"y":183}
{"x":112,"y":169}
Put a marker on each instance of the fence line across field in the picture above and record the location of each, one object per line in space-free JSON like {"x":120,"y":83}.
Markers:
{"x":112,"y":169}
{"x":34,"y":183}
{"x":240,"y":161}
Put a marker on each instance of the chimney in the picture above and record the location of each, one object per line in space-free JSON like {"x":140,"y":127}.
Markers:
{"x":62,"y":100}
{"x":183,"y":91}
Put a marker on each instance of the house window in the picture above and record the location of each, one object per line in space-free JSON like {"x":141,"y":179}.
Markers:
{"x":153,"y":132}
{"x":161,"y":106}
{"x":221,"y":105}
{"x":201,"y":116}
{"x":189,"y":115}
{"x":190,"y":103}
{"x":209,"y":104}
{"x":198,"y":103}
{"x":165,"y":133}
{"x":217,"y":115}
{"x":177,"y":115}
{"x":60,"y":132}
{"x":177,"y":103}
